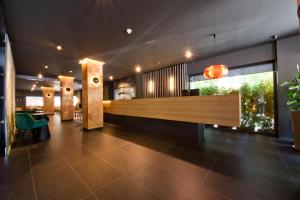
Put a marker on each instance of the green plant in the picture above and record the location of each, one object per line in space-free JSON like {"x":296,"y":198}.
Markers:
{"x":253,"y":89}
{"x":293,"y":91}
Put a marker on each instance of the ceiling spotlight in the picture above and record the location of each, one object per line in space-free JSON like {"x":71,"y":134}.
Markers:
{"x":59,"y":48}
{"x":138,"y":69}
{"x":70,"y":71}
{"x":111,"y":78}
{"x":46,"y":66}
{"x":128,"y":31}
{"x":188,"y":54}
{"x":40,"y":75}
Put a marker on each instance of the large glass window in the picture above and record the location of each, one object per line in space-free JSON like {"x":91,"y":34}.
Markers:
{"x":256,"y":86}
{"x":32,"y":101}
{"x":36,"y":101}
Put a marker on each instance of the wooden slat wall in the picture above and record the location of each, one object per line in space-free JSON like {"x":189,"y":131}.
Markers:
{"x":161,"y":82}
{"x":220,"y":109}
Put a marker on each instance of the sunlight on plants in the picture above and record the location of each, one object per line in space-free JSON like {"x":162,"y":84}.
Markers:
{"x":257,"y":98}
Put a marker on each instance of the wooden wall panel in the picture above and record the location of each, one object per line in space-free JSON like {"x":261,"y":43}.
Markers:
{"x":48,"y":98}
{"x":92,"y":94}
{"x":219,"y":109}
{"x":66,"y":96}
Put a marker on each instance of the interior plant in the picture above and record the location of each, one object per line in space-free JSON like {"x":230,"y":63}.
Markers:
{"x":293,"y":103}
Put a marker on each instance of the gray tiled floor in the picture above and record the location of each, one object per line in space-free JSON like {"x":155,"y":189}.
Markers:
{"x":119,"y":164}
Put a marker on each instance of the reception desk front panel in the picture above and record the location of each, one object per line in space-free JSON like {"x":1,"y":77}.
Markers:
{"x":218,"y":109}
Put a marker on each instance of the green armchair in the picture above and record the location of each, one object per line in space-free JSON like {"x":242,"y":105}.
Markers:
{"x":25,"y":122}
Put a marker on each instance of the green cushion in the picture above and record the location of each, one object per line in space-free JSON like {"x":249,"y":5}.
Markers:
{"x":26,"y":121}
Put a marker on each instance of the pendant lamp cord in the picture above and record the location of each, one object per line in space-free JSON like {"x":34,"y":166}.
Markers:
{"x":215,"y":59}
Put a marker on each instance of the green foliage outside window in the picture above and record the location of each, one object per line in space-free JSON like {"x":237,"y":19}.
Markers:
{"x":257,"y":98}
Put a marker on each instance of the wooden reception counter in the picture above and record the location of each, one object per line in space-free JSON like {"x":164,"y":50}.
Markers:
{"x":217,"y":109}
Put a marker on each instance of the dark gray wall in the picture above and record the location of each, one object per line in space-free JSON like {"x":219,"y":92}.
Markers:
{"x":239,"y":58}
{"x":288,"y":55}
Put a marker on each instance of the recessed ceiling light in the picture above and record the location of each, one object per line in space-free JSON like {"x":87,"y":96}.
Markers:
{"x":70,"y":71}
{"x":158,"y":62}
{"x":188,"y":54}
{"x":46,"y":66}
{"x":59,"y":48}
{"x":111,"y":78}
{"x":40,"y":75}
{"x":138,"y":69}
{"x":128,"y":31}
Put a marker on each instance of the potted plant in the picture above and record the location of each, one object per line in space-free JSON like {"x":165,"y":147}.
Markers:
{"x":293,"y":103}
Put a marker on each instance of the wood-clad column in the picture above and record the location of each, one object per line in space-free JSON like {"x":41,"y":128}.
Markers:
{"x":66,"y":97}
{"x":48,"y":98}
{"x":92,"y":93}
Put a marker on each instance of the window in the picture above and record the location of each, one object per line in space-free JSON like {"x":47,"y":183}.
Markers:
{"x":57,"y":101}
{"x":256,"y":86}
{"x":32,"y":101}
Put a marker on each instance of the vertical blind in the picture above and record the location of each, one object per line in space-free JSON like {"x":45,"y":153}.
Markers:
{"x":168,"y":82}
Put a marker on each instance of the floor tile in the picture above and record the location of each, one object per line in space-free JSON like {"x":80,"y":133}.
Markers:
{"x":14,"y":171}
{"x":96,"y":173}
{"x":167,"y":186}
{"x":45,"y":164}
{"x":124,"y":188}
{"x":61,"y":184}
{"x":20,"y":191}
{"x":124,"y":161}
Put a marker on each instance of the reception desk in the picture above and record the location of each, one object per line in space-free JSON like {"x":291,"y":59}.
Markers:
{"x":216,"y":109}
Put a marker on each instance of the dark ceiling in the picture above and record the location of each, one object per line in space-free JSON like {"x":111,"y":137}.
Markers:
{"x":162,"y":31}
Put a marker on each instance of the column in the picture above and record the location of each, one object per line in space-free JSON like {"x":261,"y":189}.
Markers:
{"x":48,"y":98}
{"x":66,"y":97}
{"x":92,"y":93}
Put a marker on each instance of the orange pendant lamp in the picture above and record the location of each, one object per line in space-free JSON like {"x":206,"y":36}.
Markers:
{"x":217,"y":70}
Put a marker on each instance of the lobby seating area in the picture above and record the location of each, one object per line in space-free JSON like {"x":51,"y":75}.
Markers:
{"x":150,"y":100}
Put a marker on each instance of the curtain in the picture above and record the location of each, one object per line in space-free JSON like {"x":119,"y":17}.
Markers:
{"x":168,"y":82}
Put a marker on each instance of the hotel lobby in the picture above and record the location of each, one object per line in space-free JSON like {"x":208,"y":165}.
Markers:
{"x":138,"y":100}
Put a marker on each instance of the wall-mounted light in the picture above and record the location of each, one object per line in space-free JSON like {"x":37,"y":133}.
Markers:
{"x":96,"y":80}
{"x":151,"y":86}
{"x":111,"y":78}
{"x":46,"y":67}
{"x":171,"y":83}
